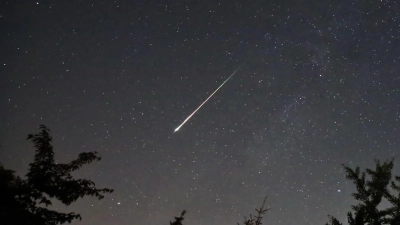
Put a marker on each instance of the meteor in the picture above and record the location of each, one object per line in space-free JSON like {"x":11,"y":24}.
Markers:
{"x":205,"y":101}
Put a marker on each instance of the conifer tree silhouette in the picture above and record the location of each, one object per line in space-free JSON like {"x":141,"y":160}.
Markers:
{"x":370,"y":194}
{"x":178,"y":220}
{"x":25,"y":201}
{"x":258,"y":218}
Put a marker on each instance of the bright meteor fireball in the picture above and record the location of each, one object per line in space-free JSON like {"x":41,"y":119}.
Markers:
{"x":205,"y":101}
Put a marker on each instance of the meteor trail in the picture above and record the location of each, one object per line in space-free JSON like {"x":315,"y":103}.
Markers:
{"x":205,"y":101}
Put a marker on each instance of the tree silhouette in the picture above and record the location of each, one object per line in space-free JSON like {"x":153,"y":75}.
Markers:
{"x":178,"y":220}
{"x":247,"y":221}
{"x":25,"y":201}
{"x":258,"y":218}
{"x":370,"y":194}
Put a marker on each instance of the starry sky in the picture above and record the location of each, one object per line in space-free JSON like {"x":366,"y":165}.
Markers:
{"x":319,"y":87}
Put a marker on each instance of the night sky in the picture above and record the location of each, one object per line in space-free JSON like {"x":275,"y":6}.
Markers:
{"x":319,"y":87}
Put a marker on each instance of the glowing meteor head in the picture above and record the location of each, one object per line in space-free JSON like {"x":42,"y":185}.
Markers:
{"x":176,"y":129}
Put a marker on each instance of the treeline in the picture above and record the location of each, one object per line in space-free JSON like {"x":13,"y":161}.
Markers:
{"x":373,"y":186}
{"x":25,"y":201}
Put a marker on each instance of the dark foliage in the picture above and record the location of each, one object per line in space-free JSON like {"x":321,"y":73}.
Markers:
{"x":247,"y":221}
{"x":178,"y":220}
{"x":370,"y":193}
{"x":25,"y":201}
{"x":258,"y":218}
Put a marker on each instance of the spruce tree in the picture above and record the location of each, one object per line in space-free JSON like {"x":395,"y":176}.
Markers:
{"x":370,"y":193}
{"x":179,"y":219}
{"x":256,"y":220}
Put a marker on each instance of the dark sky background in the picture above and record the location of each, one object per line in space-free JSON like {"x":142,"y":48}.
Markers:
{"x":320,"y":86}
